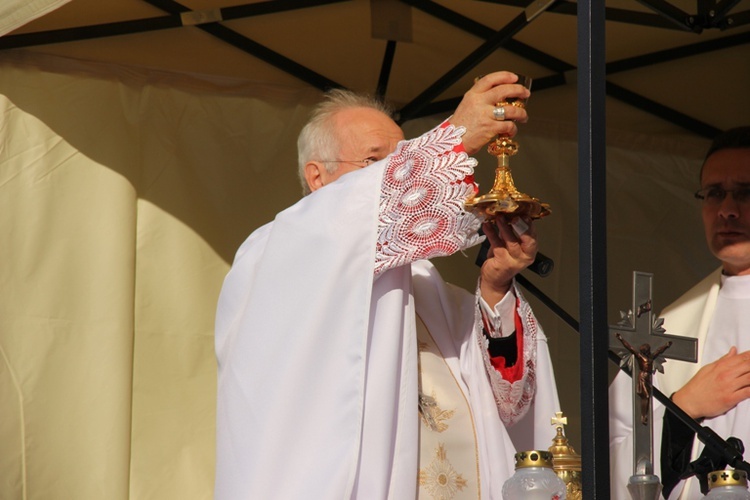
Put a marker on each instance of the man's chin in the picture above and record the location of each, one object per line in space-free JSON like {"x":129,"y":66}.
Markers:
{"x":735,"y":254}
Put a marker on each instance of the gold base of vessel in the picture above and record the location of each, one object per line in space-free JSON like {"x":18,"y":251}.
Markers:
{"x":504,"y":198}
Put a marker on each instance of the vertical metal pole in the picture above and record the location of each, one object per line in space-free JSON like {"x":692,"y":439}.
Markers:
{"x":592,"y":229}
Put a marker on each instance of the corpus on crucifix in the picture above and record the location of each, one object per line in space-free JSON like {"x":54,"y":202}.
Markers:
{"x":646,"y":369}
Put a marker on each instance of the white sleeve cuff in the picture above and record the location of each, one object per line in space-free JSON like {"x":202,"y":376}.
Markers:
{"x":501,"y":317}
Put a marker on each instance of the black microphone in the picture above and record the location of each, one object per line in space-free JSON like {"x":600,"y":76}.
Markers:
{"x":542,"y":264}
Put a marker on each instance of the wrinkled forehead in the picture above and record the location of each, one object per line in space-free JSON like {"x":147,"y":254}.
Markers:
{"x":727,"y":167}
{"x":367,"y":131}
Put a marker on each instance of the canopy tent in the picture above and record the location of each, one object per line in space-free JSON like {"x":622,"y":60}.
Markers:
{"x":423,"y":54}
{"x":139,"y":148}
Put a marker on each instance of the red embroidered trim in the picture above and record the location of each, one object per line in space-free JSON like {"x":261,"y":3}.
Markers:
{"x":515,"y":372}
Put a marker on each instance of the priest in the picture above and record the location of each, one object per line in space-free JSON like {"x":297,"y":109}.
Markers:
{"x":347,"y":367}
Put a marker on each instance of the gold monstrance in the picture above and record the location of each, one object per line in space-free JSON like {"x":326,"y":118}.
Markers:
{"x":504,"y":198}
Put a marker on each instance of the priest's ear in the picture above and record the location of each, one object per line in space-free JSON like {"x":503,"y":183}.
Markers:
{"x":315,"y":175}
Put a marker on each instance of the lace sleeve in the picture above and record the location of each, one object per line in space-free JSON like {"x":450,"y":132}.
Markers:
{"x":422,"y":200}
{"x":513,"y":399}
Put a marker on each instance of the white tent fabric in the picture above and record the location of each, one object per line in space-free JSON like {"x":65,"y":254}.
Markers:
{"x":123,"y":197}
{"x":16,"y":13}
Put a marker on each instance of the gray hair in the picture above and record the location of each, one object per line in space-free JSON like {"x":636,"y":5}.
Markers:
{"x":318,"y":140}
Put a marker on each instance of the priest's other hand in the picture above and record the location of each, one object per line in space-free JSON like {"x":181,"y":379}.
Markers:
{"x":475,"y":112}
{"x":513,"y":247}
{"x":717,"y":387}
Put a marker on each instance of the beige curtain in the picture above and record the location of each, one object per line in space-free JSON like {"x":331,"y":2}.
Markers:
{"x":122,"y":201}
{"x":16,"y":13}
{"x":123,"y":197}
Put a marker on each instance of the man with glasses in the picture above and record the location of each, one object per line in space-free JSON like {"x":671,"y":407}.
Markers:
{"x":347,"y":367}
{"x":716,"y":389}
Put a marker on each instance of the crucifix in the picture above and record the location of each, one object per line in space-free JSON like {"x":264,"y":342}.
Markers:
{"x":640,"y":341}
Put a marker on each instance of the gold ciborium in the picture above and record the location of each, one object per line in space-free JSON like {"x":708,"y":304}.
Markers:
{"x":504,"y":198}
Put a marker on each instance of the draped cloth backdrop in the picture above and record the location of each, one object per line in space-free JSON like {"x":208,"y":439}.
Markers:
{"x":123,"y":197}
{"x":16,"y":13}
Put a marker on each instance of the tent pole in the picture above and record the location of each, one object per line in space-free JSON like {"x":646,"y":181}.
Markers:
{"x":592,"y":257}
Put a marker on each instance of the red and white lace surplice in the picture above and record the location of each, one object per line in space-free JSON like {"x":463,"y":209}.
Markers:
{"x":422,"y":215}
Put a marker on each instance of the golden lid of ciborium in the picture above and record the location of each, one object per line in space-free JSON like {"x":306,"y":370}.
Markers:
{"x":565,"y":461}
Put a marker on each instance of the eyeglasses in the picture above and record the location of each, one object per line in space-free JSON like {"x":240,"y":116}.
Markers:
{"x":360,"y":163}
{"x":714,"y":195}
